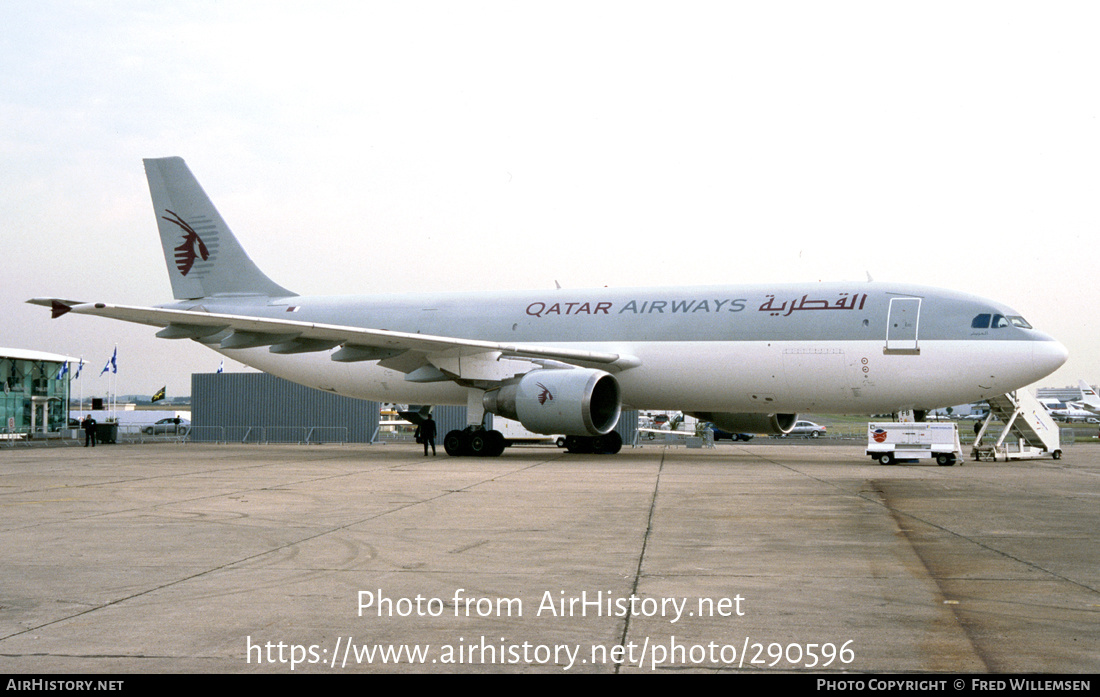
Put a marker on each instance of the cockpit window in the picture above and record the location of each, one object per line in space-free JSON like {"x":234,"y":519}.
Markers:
{"x":988,"y":321}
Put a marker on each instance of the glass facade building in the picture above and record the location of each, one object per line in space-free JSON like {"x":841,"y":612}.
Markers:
{"x":36,"y":391}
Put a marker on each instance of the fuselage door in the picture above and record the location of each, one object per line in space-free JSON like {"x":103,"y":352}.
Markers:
{"x":902,"y":323}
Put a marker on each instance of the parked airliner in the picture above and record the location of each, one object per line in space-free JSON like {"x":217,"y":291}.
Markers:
{"x":1089,"y":399}
{"x":1068,"y":411}
{"x":746,"y":357}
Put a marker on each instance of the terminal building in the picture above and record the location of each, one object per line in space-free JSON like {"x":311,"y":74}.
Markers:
{"x":1071,"y":393}
{"x":36,"y":392}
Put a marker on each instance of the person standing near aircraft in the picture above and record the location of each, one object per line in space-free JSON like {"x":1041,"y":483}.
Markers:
{"x":427,"y":434}
{"x":89,"y":426}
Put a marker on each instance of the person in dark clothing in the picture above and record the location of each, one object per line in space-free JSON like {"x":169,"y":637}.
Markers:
{"x":427,"y":434}
{"x":89,"y":425}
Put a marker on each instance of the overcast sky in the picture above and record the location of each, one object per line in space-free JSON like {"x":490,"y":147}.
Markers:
{"x":359,"y":146}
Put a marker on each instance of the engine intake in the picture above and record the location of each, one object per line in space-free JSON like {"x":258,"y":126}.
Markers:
{"x":572,"y":402}
{"x":767,"y":424}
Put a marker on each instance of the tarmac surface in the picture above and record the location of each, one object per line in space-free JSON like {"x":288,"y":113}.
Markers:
{"x":770,"y":556}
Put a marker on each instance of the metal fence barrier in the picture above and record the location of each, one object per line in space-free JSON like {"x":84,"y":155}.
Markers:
{"x":304,"y":435}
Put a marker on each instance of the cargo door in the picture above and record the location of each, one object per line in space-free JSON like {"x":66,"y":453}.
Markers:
{"x":902,"y":324}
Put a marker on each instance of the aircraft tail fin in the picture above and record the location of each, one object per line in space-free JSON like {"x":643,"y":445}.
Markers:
{"x":203,"y":256}
{"x":1088,"y":395}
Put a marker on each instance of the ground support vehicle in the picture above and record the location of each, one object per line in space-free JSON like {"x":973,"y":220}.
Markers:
{"x":1029,"y":430}
{"x":892,"y":442}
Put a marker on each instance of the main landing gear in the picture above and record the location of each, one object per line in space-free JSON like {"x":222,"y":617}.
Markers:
{"x":608,"y":444}
{"x":482,"y":443}
{"x":475,"y":443}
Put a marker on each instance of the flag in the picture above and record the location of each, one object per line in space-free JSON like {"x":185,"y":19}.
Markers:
{"x":159,"y":395}
{"x":63,"y":372}
{"x":112,"y":364}
{"x":78,"y":368}
{"x":221,"y":367}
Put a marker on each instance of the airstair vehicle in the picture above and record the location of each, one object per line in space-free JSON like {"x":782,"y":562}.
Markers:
{"x":1029,"y":430}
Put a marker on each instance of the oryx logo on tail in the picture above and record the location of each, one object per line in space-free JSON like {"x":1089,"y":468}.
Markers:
{"x":192,"y":248}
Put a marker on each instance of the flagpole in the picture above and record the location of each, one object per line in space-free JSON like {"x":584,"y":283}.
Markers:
{"x":114,"y":381}
{"x":114,"y":393}
{"x":110,"y":389}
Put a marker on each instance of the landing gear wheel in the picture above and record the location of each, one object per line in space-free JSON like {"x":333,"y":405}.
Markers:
{"x":455,"y":443}
{"x":578,"y":445}
{"x":497,"y":444}
{"x":478,"y":443}
{"x":486,"y":444}
{"x":608,"y":444}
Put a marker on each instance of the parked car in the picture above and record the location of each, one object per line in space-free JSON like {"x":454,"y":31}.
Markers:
{"x":807,"y":429}
{"x":719,"y":434}
{"x":170,"y":426}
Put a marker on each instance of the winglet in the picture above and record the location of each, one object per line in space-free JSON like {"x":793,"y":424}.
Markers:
{"x":58,"y":308}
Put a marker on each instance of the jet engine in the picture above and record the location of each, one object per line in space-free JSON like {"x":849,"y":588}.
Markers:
{"x":768,"y":424}
{"x":573,"y":402}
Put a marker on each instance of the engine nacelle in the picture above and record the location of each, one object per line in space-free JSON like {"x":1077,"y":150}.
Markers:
{"x":572,"y":402}
{"x":767,"y":424}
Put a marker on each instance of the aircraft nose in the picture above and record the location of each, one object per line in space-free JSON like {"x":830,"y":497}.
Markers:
{"x":1049,"y":356}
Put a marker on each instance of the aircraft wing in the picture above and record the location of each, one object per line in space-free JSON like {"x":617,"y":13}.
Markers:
{"x":404,"y":351}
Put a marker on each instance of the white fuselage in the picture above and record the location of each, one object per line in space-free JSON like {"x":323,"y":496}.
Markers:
{"x":734,"y":356}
